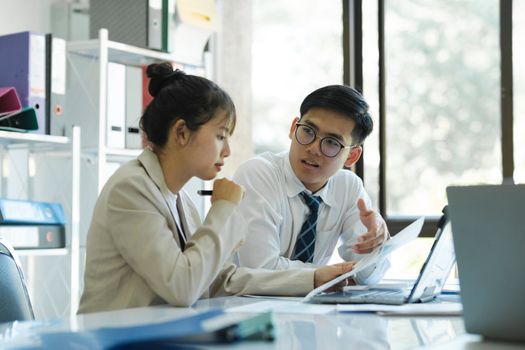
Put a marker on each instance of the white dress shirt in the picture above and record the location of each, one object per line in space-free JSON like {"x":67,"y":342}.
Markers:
{"x":274,"y":213}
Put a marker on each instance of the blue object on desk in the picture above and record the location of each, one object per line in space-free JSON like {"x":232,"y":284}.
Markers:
{"x":214,"y":326}
{"x":453,"y":298}
{"x":450,"y":292}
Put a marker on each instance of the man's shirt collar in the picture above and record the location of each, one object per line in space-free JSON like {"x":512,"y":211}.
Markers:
{"x":294,"y":186}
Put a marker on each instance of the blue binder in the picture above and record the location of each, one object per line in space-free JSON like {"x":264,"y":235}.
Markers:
{"x":214,"y":326}
{"x":22,"y":212}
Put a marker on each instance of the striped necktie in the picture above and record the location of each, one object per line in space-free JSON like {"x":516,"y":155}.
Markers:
{"x":305,"y":244}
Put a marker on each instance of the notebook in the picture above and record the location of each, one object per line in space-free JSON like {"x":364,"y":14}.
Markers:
{"x":489,"y":239}
{"x":428,"y":285}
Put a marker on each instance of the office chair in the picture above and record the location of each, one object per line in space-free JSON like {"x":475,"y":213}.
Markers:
{"x":15,"y":304}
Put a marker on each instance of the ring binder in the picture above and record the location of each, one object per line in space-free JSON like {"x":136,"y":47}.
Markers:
{"x":9,"y":100}
{"x":22,"y":121}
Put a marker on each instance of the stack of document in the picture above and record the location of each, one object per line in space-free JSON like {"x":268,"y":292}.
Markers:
{"x":214,"y":326}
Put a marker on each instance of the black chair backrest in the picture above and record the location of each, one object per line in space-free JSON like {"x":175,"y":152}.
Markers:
{"x":15,"y":304}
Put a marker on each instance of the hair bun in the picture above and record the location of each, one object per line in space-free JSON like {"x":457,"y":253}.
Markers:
{"x":161,"y":74}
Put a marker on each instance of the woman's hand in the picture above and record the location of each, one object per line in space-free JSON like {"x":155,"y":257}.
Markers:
{"x":327,"y":273}
{"x":227,"y":190}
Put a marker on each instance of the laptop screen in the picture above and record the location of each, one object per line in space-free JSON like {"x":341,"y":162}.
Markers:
{"x":437,"y":266}
{"x":489,"y":238}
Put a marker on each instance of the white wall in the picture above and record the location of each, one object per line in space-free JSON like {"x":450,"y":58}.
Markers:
{"x":233,"y":66}
{"x":22,"y":15}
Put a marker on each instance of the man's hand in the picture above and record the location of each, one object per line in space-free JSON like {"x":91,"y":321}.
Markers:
{"x":327,"y":273}
{"x":375,"y":236}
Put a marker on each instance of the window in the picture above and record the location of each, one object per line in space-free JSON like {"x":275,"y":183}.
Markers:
{"x":442,"y":102}
{"x":433,"y":73}
{"x":296,"y":49}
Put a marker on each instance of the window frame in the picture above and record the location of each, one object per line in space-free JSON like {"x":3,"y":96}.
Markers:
{"x":353,"y":76}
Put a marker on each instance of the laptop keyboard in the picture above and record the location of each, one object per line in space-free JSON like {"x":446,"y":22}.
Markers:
{"x":383,"y":297}
{"x":391,"y":297}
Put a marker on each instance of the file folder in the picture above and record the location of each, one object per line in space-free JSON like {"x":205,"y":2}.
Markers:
{"x":21,"y":121}
{"x":133,"y":106}
{"x":141,"y":23}
{"x":214,"y":326}
{"x":9,"y":101}
{"x":14,"y":211}
{"x":34,"y":236}
{"x":116,"y":105}
{"x":32,"y":225}
{"x":24,"y":67}
{"x":70,"y":20}
{"x":146,"y":97}
{"x":56,"y":86}
{"x":157,"y":38}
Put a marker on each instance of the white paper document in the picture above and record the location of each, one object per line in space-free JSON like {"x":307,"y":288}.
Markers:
{"x":424,"y":309}
{"x":406,"y":235}
{"x":282,"y":306}
{"x":273,"y":297}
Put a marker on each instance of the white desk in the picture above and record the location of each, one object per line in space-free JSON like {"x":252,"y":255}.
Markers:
{"x":329,"y":330}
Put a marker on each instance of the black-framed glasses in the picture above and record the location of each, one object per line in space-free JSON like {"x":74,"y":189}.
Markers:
{"x":330,"y":146}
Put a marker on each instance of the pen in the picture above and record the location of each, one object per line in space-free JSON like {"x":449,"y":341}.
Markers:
{"x":205,"y":192}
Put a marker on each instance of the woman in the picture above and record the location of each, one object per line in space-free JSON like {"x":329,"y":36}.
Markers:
{"x":146,"y":244}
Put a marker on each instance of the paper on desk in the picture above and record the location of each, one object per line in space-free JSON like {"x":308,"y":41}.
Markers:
{"x":424,"y":309}
{"x":282,"y":306}
{"x":406,"y":235}
{"x":273,"y":297}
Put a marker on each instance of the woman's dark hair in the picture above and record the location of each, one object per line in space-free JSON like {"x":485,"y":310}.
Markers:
{"x":346,"y":101}
{"x":177,"y":95}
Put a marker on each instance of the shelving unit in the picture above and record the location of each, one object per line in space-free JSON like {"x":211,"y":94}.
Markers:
{"x":27,"y":139}
{"x":54,"y":275}
{"x":47,"y":168}
{"x":42,"y":252}
{"x":87,"y":100}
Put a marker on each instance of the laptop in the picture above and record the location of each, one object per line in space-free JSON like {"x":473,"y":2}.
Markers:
{"x":428,"y":285}
{"x":489,"y":240}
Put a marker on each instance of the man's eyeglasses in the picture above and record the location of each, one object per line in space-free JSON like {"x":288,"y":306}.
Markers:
{"x":330,"y":146}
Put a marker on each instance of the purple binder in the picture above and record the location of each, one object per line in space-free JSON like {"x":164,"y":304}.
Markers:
{"x":24,"y":67}
{"x":9,"y":101}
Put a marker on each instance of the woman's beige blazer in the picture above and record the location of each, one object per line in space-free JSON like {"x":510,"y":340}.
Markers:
{"x":133,"y":255}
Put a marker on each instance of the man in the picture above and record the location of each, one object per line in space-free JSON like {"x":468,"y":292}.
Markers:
{"x":299,"y":203}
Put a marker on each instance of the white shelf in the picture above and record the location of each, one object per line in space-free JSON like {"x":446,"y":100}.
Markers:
{"x":11,"y":137}
{"x":120,"y":53}
{"x":114,"y":154}
{"x":42,"y":252}
{"x":123,"y":152}
{"x":20,"y":184}
{"x":122,"y":155}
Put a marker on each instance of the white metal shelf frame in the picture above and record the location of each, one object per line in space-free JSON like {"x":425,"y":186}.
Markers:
{"x":38,"y":142}
{"x":118,"y":52}
{"x":25,"y":139}
{"x":42,"y":252}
